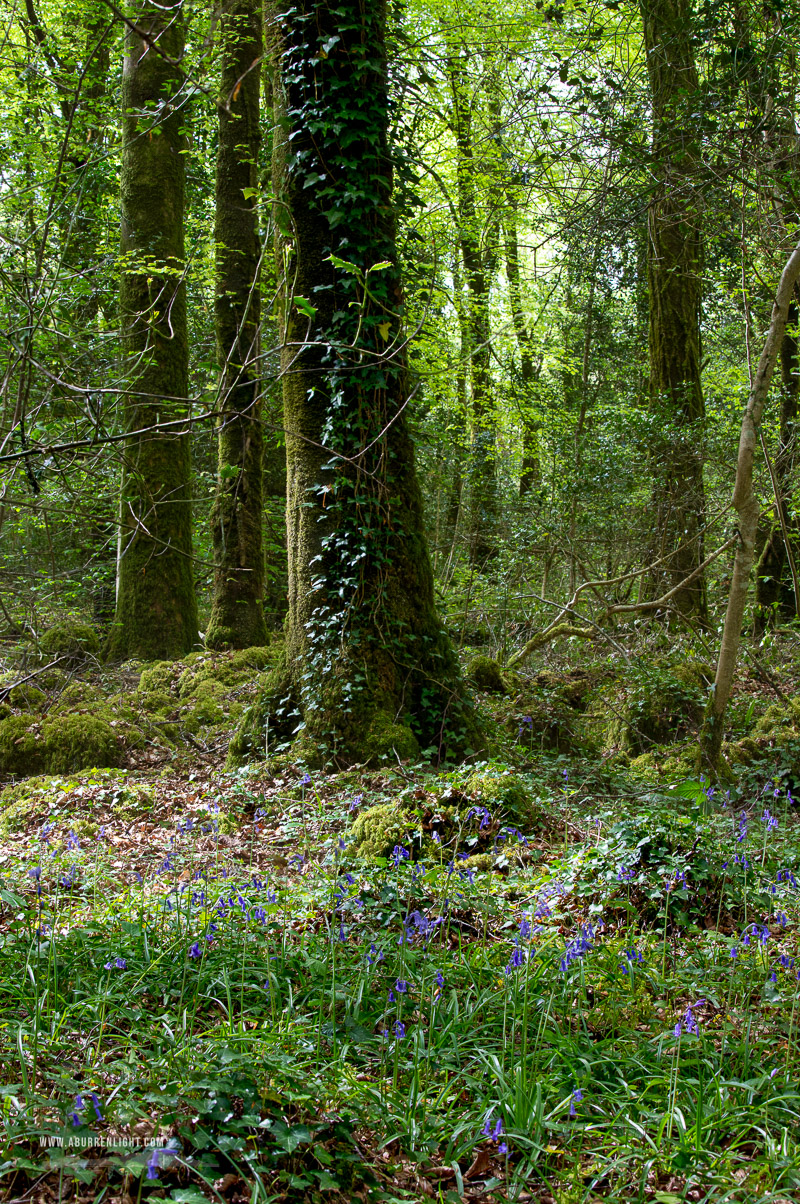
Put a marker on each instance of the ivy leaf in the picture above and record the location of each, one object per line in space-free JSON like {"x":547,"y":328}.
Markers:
{"x":383,"y":330}
{"x":305,"y":307}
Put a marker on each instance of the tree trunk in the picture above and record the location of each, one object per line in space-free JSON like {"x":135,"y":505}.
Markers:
{"x":156,"y":615}
{"x":531,"y":475}
{"x":746,"y":505}
{"x":237,"y":612}
{"x":774,"y":594}
{"x":478,"y":242}
{"x":369,"y":671}
{"x":674,"y":281}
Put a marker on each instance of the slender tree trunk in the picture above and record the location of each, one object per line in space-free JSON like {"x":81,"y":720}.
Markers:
{"x":746,"y":505}
{"x":156,"y":615}
{"x":478,"y":242}
{"x":774,"y":594}
{"x":531,"y":475}
{"x":675,"y":251}
{"x":237,"y":613}
{"x":369,"y":670}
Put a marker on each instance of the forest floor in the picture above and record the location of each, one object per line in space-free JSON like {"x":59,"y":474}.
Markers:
{"x":562,"y":972}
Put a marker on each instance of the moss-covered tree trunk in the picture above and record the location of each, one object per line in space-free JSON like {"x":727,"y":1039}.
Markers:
{"x":237,"y":612}
{"x":675,"y":256}
{"x":531,"y":475}
{"x":156,"y":613}
{"x":369,"y":668}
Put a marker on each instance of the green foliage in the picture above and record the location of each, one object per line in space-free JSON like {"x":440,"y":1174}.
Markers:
{"x":71,"y":640}
{"x":58,"y":744}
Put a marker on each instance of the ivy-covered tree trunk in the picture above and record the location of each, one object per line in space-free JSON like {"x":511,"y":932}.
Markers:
{"x":369,"y":670}
{"x":156,"y":613}
{"x":675,"y":256}
{"x":237,"y":612}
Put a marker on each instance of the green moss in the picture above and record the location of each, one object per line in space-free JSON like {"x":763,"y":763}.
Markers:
{"x":485,"y":675}
{"x":78,"y":694}
{"x":660,"y":700}
{"x":72,"y":639}
{"x":27,"y":697}
{"x":155,"y":702}
{"x":20,"y":802}
{"x":377,"y":830}
{"x":505,"y":795}
{"x":389,"y":741}
{"x":58,"y":744}
{"x":159,"y":677}
{"x":253,"y":659}
{"x":207,"y":705}
{"x":5,"y":710}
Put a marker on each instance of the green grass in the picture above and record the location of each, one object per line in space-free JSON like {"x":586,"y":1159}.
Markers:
{"x":357,"y":1031}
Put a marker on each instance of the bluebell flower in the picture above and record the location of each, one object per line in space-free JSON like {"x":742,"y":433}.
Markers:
{"x":624,"y":874}
{"x":577,"y":1096}
{"x":769,"y":819}
{"x":391,"y":998}
{"x":487,"y":1125}
{"x":356,"y":802}
{"x":524,"y":928}
{"x":79,"y":1106}
{"x":734,"y":952}
{"x":305,"y":779}
{"x":195,"y":951}
{"x":439,"y":978}
{"x":342,"y":845}
{"x":96,"y":1105}
{"x":400,"y":853}
{"x":152,"y":1165}
{"x":399,"y":1029}
{"x":503,"y":1147}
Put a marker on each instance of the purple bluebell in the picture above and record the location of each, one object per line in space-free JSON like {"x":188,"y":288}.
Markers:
{"x":399,"y":1029}
{"x":79,"y":1106}
{"x":152,"y":1165}
{"x":96,"y":1105}
{"x":195,"y":950}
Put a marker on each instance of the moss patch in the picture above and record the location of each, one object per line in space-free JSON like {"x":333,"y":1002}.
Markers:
{"x":484,"y":674}
{"x":27,"y":697}
{"x":72,"y":639}
{"x":58,"y":744}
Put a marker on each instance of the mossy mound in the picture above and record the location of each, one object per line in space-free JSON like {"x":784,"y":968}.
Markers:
{"x":71,"y":639}
{"x":27,"y":697}
{"x":377,"y":830}
{"x":659,"y":702}
{"x":58,"y":744}
{"x":78,"y":694}
{"x":775,"y":738}
{"x":388,"y":741}
{"x":159,"y":677}
{"x":670,"y":764}
{"x":485,"y":675}
{"x":505,"y":795}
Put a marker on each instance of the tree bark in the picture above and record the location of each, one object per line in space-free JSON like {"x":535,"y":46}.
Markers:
{"x":746,"y":505}
{"x":156,"y":613}
{"x":478,"y":242}
{"x":369,"y":670}
{"x":237,"y":612}
{"x":675,"y":254}
{"x":531,"y":475}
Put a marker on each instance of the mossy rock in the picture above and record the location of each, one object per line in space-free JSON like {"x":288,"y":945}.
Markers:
{"x":485,"y":675}
{"x":27,"y":697}
{"x":58,"y":744}
{"x":388,"y":741}
{"x":155,"y":702}
{"x":208,"y":706}
{"x":253,"y":659}
{"x":505,"y":795}
{"x":776,"y":733}
{"x":71,"y":639}
{"x":572,"y":687}
{"x":5,"y":711}
{"x":661,"y":701}
{"x":159,"y":677}
{"x":377,"y":830}
{"x":78,"y":694}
